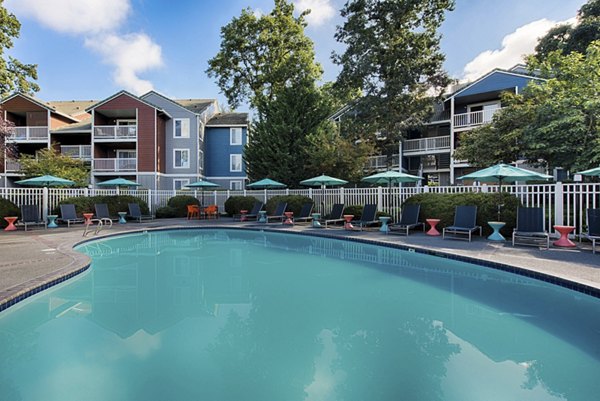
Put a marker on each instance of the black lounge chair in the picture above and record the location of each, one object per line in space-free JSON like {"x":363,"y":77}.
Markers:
{"x":30,"y":216}
{"x":103,"y":215}
{"x":258,"y":205}
{"x":530,"y":227}
{"x":279,"y":212}
{"x":408,"y":220}
{"x":465,"y":222}
{"x":69,"y":215}
{"x":336,"y":214}
{"x":305,"y":213}
{"x":368,"y":216}
{"x":135,"y":212}
{"x":593,"y":224}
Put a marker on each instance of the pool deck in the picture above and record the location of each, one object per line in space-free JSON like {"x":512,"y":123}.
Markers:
{"x":29,"y":261}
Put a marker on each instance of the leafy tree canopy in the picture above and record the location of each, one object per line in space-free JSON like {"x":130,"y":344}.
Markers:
{"x":51,"y":162}
{"x":14,"y":75}
{"x":393,"y":57}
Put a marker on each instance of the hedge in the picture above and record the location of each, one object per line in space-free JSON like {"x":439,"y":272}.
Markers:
{"x":180,"y":202}
{"x":442,"y":206}
{"x":166,"y":212}
{"x":234,"y":204}
{"x":294,"y":203}
{"x":116,"y":203}
{"x":7,"y":208}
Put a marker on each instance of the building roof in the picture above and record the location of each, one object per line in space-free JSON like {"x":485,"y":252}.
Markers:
{"x":515,"y":71}
{"x":228,"y":119}
{"x":196,"y":105}
{"x":84,"y":126}
{"x":72,"y":107}
{"x":40,"y":103}
{"x":124,"y":92}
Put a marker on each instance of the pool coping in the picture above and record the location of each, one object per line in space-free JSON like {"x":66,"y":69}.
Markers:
{"x":18,"y":293}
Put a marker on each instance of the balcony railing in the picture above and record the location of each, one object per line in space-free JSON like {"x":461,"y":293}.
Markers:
{"x":38,"y":134}
{"x":424,"y":145}
{"x":115,"y":132}
{"x":83,"y":152}
{"x":376,"y":162}
{"x":474,"y":118}
{"x":116,"y":165}
{"x":13,"y":166}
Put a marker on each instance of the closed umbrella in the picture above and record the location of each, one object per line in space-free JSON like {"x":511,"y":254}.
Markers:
{"x":506,"y":173}
{"x":266,"y":183}
{"x":45,"y":181}
{"x":119,"y":182}
{"x":202,"y":184}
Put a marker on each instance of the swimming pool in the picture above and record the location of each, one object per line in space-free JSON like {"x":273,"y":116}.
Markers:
{"x":249,"y":315}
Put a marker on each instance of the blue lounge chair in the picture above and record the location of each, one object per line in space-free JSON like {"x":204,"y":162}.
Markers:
{"x":305,"y":213}
{"x":279,"y":212}
{"x":336,"y":214}
{"x":258,"y":206}
{"x":530,"y":227}
{"x":408,"y":220}
{"x":30,"y":216}
{"x":135,"y":212}
{"x":103,"y":215}
{"x":68,"y":214}
{"x":368,"y":216}
{"x":593,"y":225}
{"x":465,"y":222}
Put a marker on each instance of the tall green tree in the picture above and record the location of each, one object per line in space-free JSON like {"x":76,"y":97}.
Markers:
{"x":14,"y":75}
{"x":50,"y":162}
{"x":393,"y":57}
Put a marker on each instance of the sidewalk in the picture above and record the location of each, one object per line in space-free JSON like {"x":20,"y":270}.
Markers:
{"x":30,"y":260}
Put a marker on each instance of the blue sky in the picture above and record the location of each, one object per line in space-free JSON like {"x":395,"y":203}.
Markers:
{"x":90,"y":49}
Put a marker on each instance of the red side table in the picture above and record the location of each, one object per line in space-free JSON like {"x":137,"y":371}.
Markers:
{"x":243,"y":214}
{"x":88,"y":218}
{"x":348,"y":225}
{"x":432,"y":223}
{"x":564,"y":240}
{"x":288,"y":218}
{"x":11,"y":223}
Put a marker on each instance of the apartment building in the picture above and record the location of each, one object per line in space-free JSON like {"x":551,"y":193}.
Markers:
{"x":152,"y":139}
{"x":429,"y":152}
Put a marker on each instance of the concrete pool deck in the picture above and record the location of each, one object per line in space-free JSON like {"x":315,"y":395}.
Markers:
{"x":30,"y":260}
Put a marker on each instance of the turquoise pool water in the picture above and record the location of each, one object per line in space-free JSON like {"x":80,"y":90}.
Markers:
{"x":243,"y":315}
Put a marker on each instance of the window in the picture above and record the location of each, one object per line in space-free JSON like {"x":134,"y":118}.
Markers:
{"x":235,"y":163}
{"x":181,"y":128}
{"x":235,"y":136}
{"x":181,"y":158}
{"x":201,"y":160}
{"x":180,"y":183}
{"x":235,"y":185}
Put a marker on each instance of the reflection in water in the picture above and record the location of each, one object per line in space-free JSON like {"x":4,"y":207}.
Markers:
{"x":232,"y":315}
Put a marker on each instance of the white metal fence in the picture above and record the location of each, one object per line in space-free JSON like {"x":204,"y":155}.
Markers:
{"x":562,"y":203}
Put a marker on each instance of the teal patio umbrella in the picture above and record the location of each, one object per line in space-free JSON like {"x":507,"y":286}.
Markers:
{"x":202,"y":184}
{"x":45,"y":181}
{"x":591,"y":172}
{"x":504,"y":173}
{"x":120,"y":182}
{"x":323,"y":181}
{"x":391,"y":177}
{"x":266,"y":183}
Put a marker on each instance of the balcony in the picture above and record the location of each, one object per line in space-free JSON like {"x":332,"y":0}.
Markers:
{"x":29,"y":134}
{"x":376,"y":163}
{"x":112,"y":133}
{"x":474,"y":118}
{"x":115,"y":165}
{"x":12,"y":166}
{"x":82,"y":152}
{"x":436,"y":144}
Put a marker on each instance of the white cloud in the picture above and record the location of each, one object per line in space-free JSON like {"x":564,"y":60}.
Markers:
{"x":321,"y":11}
{"x":514,"y":46}
{"x":131,"y":55}
{"x":74,"y":16}
{"x":98,"y":22}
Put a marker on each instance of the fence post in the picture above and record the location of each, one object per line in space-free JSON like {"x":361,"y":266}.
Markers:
{"x":310,"y":193}
{"x":45,"y":203}
{"x":342,"y":195}
{"x":379,"y":198}
{"x":150,"y":205}
{"x":558,"y":205}
{"x":86,"y":192}
{"x":265,"y":195}
{"x":215,"y":197}
{"x":426,"y":188}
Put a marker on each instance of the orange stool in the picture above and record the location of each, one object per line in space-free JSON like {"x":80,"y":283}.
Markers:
{"x":211,"y":211}
{"x":193,"y":211}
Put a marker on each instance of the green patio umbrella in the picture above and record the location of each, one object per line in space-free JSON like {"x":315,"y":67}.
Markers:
{"x":202,"y":184}
{"x":591,"y":172}
{"x":266,"y":183}
{"x":506,"y":173}
{"x":45,"y":181}
{"x":391,"y":177}
{"x":323,"y":181}
{"x":122,"y":182}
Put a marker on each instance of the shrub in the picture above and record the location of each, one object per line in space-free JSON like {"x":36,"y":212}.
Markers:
{"x":294,"y":203}
{"x":166,"y":212}
{"x":441,"y":206}
{"x":116,"y":203}
{"x":180,"y":202}
{"x":7,"y":208}
{"x":234,"y":204}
